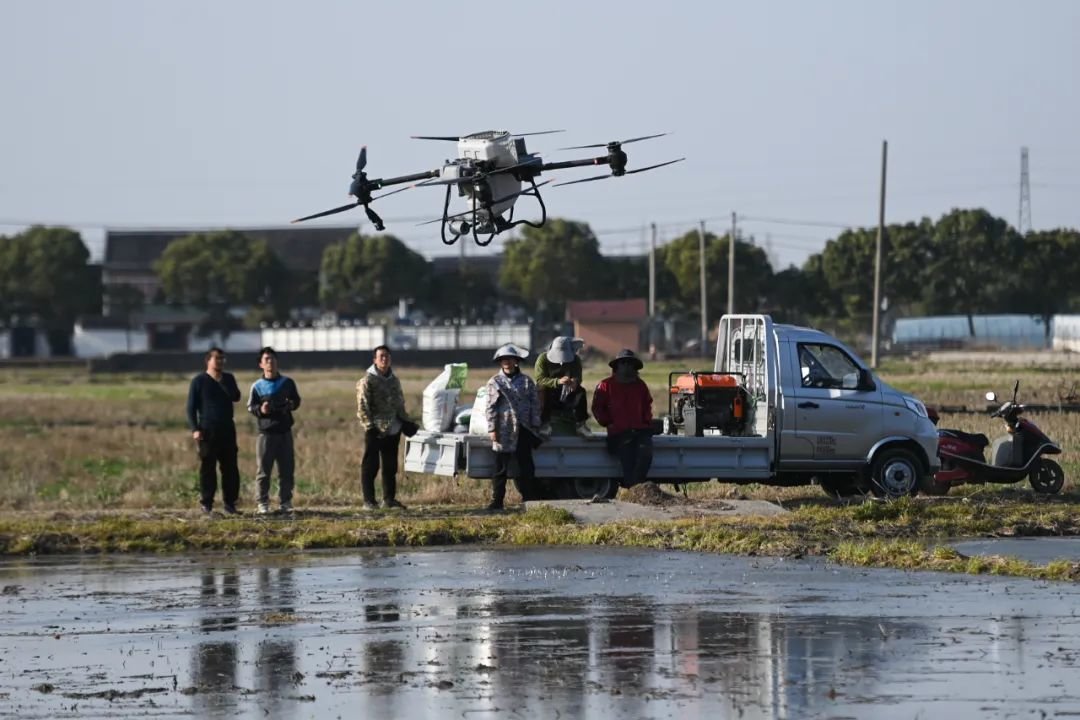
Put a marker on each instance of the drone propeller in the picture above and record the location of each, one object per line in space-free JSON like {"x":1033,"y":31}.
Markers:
{"x":324,"y":213}
{"x":352,"y":205}
{"x":455,"y":138}
{"x":361,"y":162}
{"x":609,"y":175}
{"x":616,"y":142}
{"x":494,"y":202}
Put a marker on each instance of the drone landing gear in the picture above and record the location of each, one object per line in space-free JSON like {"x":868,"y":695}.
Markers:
{"x":481,"y":235}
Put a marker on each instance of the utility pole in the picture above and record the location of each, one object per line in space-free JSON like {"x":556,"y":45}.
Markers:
{"x":652,"y":273}
{"x":652,"y":293}
{"x":731,"y":269}
{"x":704,"y":310}
{"x":1023,"y":223}
{"x":877,"y":258}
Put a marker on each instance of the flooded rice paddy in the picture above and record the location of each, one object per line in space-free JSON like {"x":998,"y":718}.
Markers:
{"x":543,"y":632}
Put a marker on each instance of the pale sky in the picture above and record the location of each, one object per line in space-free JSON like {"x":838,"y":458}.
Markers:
{"x":132,"y":113}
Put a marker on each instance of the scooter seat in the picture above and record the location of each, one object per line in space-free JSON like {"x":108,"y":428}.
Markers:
{"x":977,"y":439}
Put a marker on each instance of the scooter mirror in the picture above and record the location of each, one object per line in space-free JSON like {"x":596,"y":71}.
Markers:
{"x":991,"y":396}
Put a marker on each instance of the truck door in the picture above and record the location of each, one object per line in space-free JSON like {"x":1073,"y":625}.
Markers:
{"x":836,"y":407}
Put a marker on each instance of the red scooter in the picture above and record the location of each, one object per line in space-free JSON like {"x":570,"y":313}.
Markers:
{"x":1017,"y":455}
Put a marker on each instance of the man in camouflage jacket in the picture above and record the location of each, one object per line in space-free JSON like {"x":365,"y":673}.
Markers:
{"x":380,"y":405}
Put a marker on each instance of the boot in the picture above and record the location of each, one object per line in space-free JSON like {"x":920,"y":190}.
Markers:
{"x":498,"y":494}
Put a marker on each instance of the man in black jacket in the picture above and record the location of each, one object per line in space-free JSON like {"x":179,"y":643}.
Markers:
{"x":273,"y":398}
{"x":210,"y":419}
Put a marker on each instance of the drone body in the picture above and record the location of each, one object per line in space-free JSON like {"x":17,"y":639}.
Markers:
{"x":495,"y":194}
{"x":492,"y":170}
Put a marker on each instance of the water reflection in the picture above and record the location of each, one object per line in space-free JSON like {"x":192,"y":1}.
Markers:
{"x":576,"y":652}
{"x":283,"y":638}
{"x":215,"y":662}
{"x":275,"y":660}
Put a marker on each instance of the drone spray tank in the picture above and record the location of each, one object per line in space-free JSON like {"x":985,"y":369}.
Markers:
{"x":481,"y":153}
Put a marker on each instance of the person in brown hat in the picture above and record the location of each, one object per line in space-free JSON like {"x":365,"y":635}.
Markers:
{"x":622,"y":403}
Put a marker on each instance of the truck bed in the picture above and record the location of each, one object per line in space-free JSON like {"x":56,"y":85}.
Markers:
{"x":675,"y":457}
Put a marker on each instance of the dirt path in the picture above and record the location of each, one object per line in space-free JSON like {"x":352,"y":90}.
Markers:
{"x":650,"y":502}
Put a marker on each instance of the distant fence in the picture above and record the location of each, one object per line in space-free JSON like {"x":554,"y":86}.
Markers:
{"x":103,"y":342}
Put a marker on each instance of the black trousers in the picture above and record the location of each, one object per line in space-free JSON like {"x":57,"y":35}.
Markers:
{"x":525,"y":481}
{"x":634,"y":449}
{"x":218,"y":448}
{"x":379,"y":449}
{"x":576,"y":404}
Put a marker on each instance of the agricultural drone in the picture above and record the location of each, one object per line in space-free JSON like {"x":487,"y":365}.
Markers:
{"x":492,"y":170}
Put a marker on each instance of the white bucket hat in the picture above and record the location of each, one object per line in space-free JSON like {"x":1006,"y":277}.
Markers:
{"x":511,"y":350}
{"x":564,"y":349}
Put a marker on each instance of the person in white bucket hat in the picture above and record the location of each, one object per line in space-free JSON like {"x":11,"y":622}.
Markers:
{"x":513,"y":417}
{"x":563,"y":405}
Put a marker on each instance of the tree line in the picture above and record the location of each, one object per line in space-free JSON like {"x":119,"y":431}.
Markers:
{"x":965,"y":263}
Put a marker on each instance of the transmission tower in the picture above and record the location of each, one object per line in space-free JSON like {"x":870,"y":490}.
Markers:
{"x":1024,"y":222}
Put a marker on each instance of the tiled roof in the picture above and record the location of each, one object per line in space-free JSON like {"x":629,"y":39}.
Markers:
{"x":607,"y":310}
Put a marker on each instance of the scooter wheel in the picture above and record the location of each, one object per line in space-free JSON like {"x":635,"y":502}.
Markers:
{"x":1047,"y":478}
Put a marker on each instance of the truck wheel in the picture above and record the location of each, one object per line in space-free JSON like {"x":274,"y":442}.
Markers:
{"x":588,"y":488}
{"x":895,"y":473}
{"x":1047,"y":478}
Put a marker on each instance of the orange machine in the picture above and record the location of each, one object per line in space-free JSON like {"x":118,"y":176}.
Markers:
{"x":701,"y":401}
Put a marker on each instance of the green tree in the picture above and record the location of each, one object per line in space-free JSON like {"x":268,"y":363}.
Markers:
{"x":1047,"y":272}
{"x":847,"y":264}
{"x":549,"y":266}
{"x":681,"y":258}
{"x":469,"y":294}
{"x":365,"y":273}
{"x":626,"y":276}
{"x":972,"y":257}
{"x":221,"y":271}
{"x":44,"y":273}
{"x":795,"y":297}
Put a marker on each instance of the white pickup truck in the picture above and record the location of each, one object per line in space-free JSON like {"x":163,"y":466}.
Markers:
{"x":784,"y":405}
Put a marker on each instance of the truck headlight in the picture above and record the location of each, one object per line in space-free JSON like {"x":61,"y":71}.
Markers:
{"x":916,"y":407}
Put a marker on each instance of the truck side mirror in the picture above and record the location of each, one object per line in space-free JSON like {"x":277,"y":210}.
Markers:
{"x":861,"y":380}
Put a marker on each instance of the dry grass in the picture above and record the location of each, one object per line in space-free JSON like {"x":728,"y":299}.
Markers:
{"x":69,"y":441}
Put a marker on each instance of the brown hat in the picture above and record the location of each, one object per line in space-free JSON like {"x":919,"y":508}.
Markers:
{"x":626,"y":354}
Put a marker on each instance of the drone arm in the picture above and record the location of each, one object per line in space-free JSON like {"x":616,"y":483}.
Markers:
{"x":384,"y":182}
{"x":574,"y":163}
